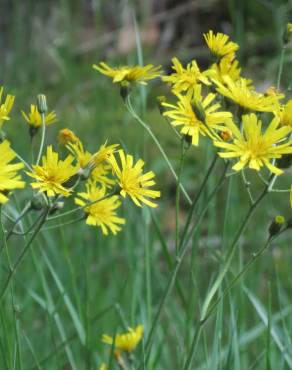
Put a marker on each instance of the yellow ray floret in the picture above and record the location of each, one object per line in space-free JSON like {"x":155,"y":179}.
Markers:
{"x":241,"y":93}
{"x":34,"y":118}
{"x":5,"y":108}
{"x":9,"y":178}
{"x":284,"y":112}
{"x":100,"y":174}
{"x":197,"y":115}
{"x":227,"y":66}
{"x":82,"y":156}
{"x":102,"y":213}
{"x":52,"y":175}
{"x":132,"y":181}
{"x":125,"y":342}
{"x":219,"y":44}
{"x":129,"y":73}
{"x":254,"y":148}
{"x":185,"y":79}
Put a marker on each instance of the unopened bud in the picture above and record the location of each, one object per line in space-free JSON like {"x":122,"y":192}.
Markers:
{"x":125,"y":89}
{"x":287,"y":35}
{"x":276,"y":225}
{"x":66,"y":136}
{"x":42,"y":104}
{"x":226,"y":135}
{"x":199,"y":111}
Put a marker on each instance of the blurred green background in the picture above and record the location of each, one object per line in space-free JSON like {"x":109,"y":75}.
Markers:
{"x":76,"y":284}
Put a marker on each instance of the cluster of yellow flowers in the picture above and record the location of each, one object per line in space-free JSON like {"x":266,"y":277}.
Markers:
{"x":252,"y":127}
{"x":107,"y":175}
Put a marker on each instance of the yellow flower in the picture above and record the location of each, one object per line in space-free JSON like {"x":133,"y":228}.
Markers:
{"x":227,"y":66}
{"x":197,"y":115}
{"x":129,"y":73}
{"x":132,"y":181}
{"x":82,"y":156}
{"x":245,"y":96}
{"x":103,"y":212}
{"x":185,"y":79}
{"x":127,"y":341}
{"x":5,"y":108}
{"x":66,"y":136}
{"x":53,"y":174}
{"x":9,"y":179}
{"x":219,"y":44}
{"x":100,"y":175}
{"x":34,"y":118}
{"x":254,"y":148}
{"x":285,"y":113}
{"x":104,"y":153}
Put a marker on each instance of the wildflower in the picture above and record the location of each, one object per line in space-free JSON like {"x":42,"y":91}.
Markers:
{"x":254,"y":148}
{"x":219,"y":44}
{"x":197,"y":115}
{"x":102,"y":212}
{"x":9,"y":178}
{"x":82,"y":156}
{"x":5,"y":108}
{"x":276,"y":225}
{"x":126,"y":342}
{"x":245,"y":96}
{"x":137,"y":73}
{"x":285,"y":113}
{"x":185,"y":79}
{"x":227,"y":66}
{"x":53,"y":175}
{"x":132,"y":181}
{"x":100,"y":175}
{"x":104,"y":153}
{"x":66,"y":136}
{"x":34,"y":119}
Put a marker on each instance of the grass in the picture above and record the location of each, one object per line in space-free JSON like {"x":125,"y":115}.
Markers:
{"x":74,"y":285}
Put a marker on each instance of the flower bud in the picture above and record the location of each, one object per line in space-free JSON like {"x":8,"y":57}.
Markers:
{"x":199,"y":111}
{"x":287,"y":35}
{"x":66,"y":136}
{"x":125,"y":89}
{"x":276,"y":225}
{"x":42,"y":104}
{"x":226,"y":135}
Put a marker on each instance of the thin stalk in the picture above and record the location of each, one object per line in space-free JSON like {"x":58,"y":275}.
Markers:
{"x":177,"y":195}
{"x":21,"y":215}
{"x":22,"y":254}
{"x":176,"y":268}
{"x":42,"y":138}
{"x":156,"y":141}
{"x":281,"y":64}
{"x":195,"y":201}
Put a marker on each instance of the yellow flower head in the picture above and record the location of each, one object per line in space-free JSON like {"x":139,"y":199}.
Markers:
{"x":219,"y":44}
{"x":52,"y":175}
{"x":245,"y":96}
{"x":132,"y":181}
{"x":9,"y":178}
{"x":126,"y":342}
{"x":104,"y":153}
{"x":102,"y":213}
{"x":34,"y":119}
{"x":82,"y":156}
{"x":185,"y":79}
{"x":285,"y":114}
{"x":100,"y":174}
{"x":197,"y":115}
{"x":66,"y":136}
{"x":129,"y":73}
{"x":5,"y":108}
{"x":254,"y":148}
{"x":227,"y":66}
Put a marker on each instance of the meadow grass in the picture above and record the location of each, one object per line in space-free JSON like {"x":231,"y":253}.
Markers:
{"x":75,"y":284}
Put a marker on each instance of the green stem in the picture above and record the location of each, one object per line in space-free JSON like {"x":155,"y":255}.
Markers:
{"x":21,"y":215}
{"x":42,"y":138}
{"x":177,"y":195}
{"x":281,"y":64}
{"x":176,"y":268}
{"x":154,"y":138}
{"x":22,"y":254}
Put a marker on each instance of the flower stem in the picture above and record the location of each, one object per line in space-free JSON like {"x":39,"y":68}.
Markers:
{"x":281,"y":64}
{"x":42,"y":138}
